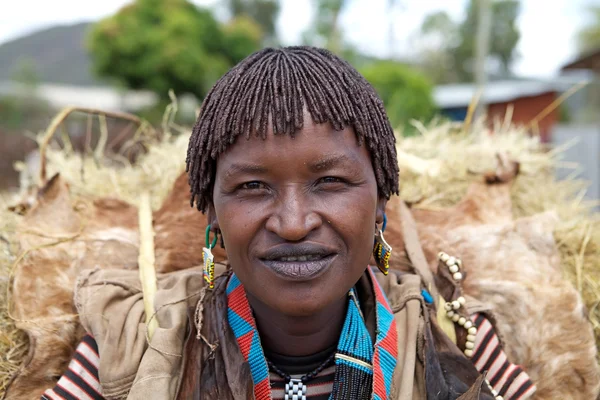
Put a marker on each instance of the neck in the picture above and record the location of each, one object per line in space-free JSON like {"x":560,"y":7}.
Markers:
{"x":299,"y":336}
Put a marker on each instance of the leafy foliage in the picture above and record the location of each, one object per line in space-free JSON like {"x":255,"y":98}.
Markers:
{"x":589,"y":36}
{"x":263,"y":12}
{"x":24,"y":106}
{"x":325,"y":28}
{"x":242,"y":37}
{"x":169,"y":44}
{"x":406,"y":93}
{"x":25,"y":74}
{"x":448,"y":55}
{"x":504,"y":34}
{"x":17,"y":111}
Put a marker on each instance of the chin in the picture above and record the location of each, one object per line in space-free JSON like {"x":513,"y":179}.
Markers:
{"x":301,"y":309}
{"x":300,"y":303}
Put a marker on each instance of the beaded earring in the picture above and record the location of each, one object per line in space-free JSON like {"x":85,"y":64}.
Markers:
{"x":209,"y":259}
{"x":381,"y":249}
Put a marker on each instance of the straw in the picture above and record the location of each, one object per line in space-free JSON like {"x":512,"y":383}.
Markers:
{"x":146,"y":262}
{"x":445,"y":157}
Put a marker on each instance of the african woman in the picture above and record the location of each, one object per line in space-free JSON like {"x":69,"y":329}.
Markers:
{"x":293,"y":161}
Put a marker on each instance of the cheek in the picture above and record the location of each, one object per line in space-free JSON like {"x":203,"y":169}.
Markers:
{"x":353,"y":217}
{"x":239,"y":224}
{"x":229,"y":220}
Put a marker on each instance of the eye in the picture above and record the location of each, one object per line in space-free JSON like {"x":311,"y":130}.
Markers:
{"x":331,"y":179}
{"x":252,"y":185}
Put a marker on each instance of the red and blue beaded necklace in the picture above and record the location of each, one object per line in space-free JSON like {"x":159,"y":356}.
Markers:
{"x":363,"y":370}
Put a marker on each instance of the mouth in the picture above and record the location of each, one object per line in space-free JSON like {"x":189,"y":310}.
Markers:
{"x":298,"y":262}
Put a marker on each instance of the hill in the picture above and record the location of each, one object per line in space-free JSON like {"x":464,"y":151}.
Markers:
{"x":58,"y":54}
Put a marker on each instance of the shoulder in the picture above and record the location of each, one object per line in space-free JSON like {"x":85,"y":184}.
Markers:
{"x":400,"y":287}
{"x":111,"y":308}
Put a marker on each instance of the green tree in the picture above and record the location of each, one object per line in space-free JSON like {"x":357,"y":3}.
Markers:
{"x":263,"y":12}
{"x":449,"y":56}
{"x":441,"y":35}
{"x":25,"y":109}
{"x":168,"y":44}
{"x":504,"y":36}
{"x":406,"y":93}
{"x":26,"y":74}
{"x":326,"y":31}
{"x":589,"y":37}
{"x":242,"y":37}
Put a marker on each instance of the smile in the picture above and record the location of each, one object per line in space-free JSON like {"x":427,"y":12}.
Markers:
{"x":300,"y":262}
{"x":300,"y":268}
{"x":309,"y":257}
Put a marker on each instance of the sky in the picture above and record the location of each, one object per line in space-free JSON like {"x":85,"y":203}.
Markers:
{"x":548,"y":27}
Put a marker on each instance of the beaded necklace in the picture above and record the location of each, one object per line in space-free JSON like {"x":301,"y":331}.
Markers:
{"x":294,"y":387}
{"x":363,"y":370}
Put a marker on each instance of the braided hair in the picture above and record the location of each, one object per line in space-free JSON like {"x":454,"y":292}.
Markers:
{"x":275,"y":86}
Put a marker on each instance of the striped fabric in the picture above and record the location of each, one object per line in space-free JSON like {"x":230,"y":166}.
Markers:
{"x":81,"y":379}
{"x":80,"y":382}
{"x":509,"y":380}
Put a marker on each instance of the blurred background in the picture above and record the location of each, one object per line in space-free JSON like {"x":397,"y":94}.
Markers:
{"x":536,"y":61}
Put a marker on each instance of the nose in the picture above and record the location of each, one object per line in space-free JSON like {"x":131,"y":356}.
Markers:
{"x":293,"y":217}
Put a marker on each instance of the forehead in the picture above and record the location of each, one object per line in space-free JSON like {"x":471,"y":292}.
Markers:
{"x":315,"y":146}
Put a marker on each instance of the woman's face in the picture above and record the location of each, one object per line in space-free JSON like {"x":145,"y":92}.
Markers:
{"x":297,"y":215}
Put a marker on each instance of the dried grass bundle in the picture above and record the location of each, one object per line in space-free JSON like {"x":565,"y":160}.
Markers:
{"x":457,"y":158}
{"x":13,"y":343}
{"x":449,"y":159}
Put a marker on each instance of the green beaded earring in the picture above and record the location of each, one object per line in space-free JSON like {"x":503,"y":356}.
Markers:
{"x":209,"y":259}
{"x":381,"y":249}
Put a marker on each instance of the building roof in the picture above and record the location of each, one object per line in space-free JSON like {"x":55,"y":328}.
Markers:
{"x":461,"y":94}
{"x":103,"y":98}
{"x":589,"y":61}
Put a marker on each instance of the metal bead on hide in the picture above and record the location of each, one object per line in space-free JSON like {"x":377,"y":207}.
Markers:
{"x":295,"y":390}
{"x":499,"y":398}
{"x":452,"y":307}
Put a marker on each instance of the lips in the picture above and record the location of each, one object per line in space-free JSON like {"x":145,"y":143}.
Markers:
{"x":298,"y":262}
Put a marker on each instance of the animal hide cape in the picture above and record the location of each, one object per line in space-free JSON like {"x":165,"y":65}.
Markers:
{"x":511,"y":265}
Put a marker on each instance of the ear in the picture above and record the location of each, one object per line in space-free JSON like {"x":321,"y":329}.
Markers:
{"x":211,"y":218}
{"x":381,"y":203}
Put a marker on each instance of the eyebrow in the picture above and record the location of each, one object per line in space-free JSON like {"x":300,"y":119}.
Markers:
{"x":324,"y":163}
{"x":245,"y":169}
{"x":328,"y":162}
